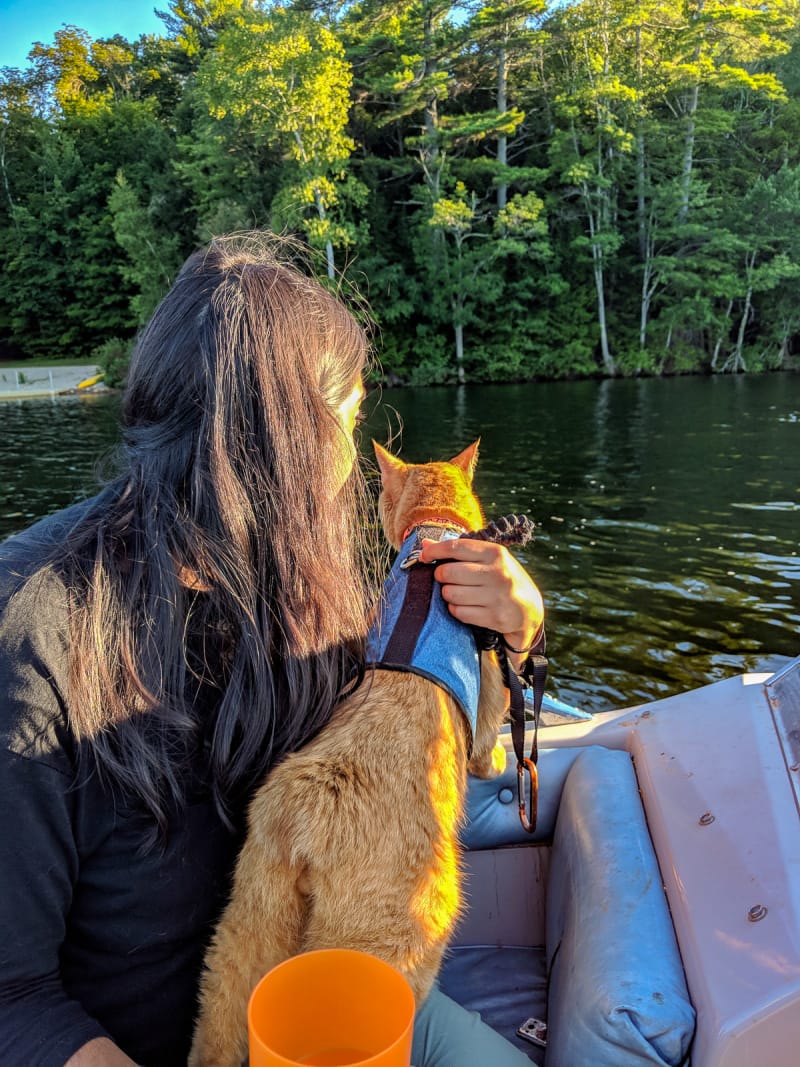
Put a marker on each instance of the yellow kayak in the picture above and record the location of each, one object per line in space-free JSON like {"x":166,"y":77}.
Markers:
{"x":91,"y":381}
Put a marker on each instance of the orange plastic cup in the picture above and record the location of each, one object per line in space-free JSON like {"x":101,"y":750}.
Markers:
{"x":333,"y":1006}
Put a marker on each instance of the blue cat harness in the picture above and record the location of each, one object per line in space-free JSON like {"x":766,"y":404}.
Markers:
{"x":415,"y":632}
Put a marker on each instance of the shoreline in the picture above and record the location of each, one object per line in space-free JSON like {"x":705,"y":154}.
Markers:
{"x":48,"y":382}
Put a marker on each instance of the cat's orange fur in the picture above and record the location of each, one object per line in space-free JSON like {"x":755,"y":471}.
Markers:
{"x":353,"y":841}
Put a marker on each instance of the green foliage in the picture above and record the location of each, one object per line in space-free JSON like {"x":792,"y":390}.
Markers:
{"x":281,"y":80}
{"x":520,"y":188}
{"x":153,"y":254}
{"x":113,"y":357}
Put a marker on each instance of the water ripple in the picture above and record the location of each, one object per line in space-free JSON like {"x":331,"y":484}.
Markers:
{"x":666,"y":511}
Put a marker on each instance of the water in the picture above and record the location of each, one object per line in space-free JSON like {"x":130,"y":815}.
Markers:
{"x":667,"y":518}
{"x":50,"y":450}
{"x":667,"y":510}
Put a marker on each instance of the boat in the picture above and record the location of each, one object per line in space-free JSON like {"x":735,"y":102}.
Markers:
{"x":87,"y":383}
{"x":653,"y":917}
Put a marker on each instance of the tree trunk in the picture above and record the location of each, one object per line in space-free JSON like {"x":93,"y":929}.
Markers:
{"x":320,"y":208}
{"x":430,"y":150}
{"x":596,"y":214}
{"x":457,"y":301}
{"x":783,"y":352}
{"x":648,"y":289}
{"x":736,"y":361}
{"x":691,"y":128}
{"x":6,"y":184}
{"x":720,"y":337}
{"x":641,"y":170}
{"x":459,"y":332}
{"x":608,"y":360}
{"x":328,"y":244}
{"x":641,"y":197}
{"x":688,"y":155}
{"x":598,"y":265}
{"x":502,"y":141}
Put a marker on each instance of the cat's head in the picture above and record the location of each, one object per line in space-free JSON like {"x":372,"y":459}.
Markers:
{"x":416,"y":493}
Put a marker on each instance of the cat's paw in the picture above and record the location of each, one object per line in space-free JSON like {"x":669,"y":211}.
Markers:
{"x":490,"y":765}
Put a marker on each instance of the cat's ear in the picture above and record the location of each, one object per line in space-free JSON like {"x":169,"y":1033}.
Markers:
{"x":392,"y":468}
{"x":468,"y":459}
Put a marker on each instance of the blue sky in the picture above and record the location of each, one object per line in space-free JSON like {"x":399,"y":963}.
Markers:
{"x":24,"y":21}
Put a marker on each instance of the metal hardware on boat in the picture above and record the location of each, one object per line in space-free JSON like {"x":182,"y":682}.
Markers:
{"x":706,"y":819}
{"x":535,"y":1031}
{"x":756,"y":913}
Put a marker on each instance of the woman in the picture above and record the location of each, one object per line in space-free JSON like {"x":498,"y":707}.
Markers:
{"x":163,"y":644}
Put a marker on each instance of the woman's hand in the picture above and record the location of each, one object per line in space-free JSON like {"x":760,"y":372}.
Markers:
{"x":484,"y":585}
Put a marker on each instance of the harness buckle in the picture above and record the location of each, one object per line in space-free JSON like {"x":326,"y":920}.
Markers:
{"x":528,"y":806}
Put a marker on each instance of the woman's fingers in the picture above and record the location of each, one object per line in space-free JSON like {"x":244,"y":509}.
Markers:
{"x":484,"y":585}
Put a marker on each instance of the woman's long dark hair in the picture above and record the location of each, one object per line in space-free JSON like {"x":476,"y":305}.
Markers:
{"x":217,"y":590}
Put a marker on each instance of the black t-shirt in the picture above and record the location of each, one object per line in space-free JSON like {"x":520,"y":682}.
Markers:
{"x":97,"y":937}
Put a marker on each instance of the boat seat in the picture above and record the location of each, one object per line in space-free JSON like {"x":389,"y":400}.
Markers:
{"x":616,"y":993}
{"x":505,"y":985}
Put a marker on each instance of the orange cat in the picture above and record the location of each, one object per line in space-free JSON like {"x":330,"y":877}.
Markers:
{"x":353,"y":841}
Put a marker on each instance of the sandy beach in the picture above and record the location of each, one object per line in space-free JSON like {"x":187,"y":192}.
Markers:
{"x":21,"y":382}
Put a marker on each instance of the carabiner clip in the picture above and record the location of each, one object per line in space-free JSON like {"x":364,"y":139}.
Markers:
{"x":528,"y":809}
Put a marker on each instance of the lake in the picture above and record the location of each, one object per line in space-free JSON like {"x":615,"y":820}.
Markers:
{"x":666,"y":510}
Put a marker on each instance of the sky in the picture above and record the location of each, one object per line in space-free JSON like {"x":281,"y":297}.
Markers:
{"x":24,"y":21}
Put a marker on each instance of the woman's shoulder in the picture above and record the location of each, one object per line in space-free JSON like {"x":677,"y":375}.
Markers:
{"x":32,"y":595}
{"x":34,"y":642}
{"x":24,"y":554}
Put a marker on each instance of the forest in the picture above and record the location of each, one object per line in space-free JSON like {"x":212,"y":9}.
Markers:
{"x":514,"y":189}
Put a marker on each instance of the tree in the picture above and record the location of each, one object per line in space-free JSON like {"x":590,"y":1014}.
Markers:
{"x":470,"y":276}
{"x":504,"y":34}
{"x":194,"y":25}
{"x":422,"y":74}
{"x":282,"y":78}
{"x":153,"y":251}
{"x":718,"y":44}
{"x":766,"y":222}
{"x":91,"y":125}
{"x":595,"y":112}
{"x":522,"y":188}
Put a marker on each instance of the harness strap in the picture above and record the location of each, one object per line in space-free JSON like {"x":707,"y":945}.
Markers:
{"x":534,"y":674}
{"x":508,"y":530}
{"x":413,"y":613}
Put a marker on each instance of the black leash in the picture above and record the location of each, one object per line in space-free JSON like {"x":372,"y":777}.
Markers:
{"x":534,"y":673}
{"x":518,"y":530}
{"x":531,"y":675}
